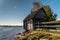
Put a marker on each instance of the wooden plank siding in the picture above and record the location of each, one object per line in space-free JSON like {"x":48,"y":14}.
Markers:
{"x":52,"y":24}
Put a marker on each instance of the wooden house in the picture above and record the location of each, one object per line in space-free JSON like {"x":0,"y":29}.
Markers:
{"x":37,"y":15}
{"x":35,"y":18}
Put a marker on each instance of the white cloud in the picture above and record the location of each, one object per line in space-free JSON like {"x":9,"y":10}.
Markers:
{"x":20,"y":24}
{"x":58,"y":19}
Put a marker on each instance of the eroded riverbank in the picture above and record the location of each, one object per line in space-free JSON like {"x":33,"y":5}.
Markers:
{"x":38,"y":35}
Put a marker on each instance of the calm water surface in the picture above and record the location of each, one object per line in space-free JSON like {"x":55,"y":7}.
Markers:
{"x":7,"y":33}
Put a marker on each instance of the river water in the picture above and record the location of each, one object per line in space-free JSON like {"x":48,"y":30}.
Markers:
{"x":8,"y":33}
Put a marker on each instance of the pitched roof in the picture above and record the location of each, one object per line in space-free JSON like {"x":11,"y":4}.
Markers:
{"x":32,"y":14}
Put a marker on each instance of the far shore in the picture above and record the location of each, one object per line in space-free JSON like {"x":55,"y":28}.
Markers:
{"x":9,"y":26}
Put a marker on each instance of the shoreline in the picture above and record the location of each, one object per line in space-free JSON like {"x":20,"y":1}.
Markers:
{"x":38,"y":34}
{"x":8,"y":33}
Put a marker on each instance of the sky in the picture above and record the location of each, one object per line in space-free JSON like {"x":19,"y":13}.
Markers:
{"x":13,"y":12}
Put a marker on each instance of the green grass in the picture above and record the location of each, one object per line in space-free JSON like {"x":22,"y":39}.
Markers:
{"x":41,"y":34}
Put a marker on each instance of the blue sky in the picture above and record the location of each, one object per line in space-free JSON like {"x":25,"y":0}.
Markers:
{"x":12,"y":12}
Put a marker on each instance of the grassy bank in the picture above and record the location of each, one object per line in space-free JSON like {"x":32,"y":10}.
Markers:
{"x":38,"y":35}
